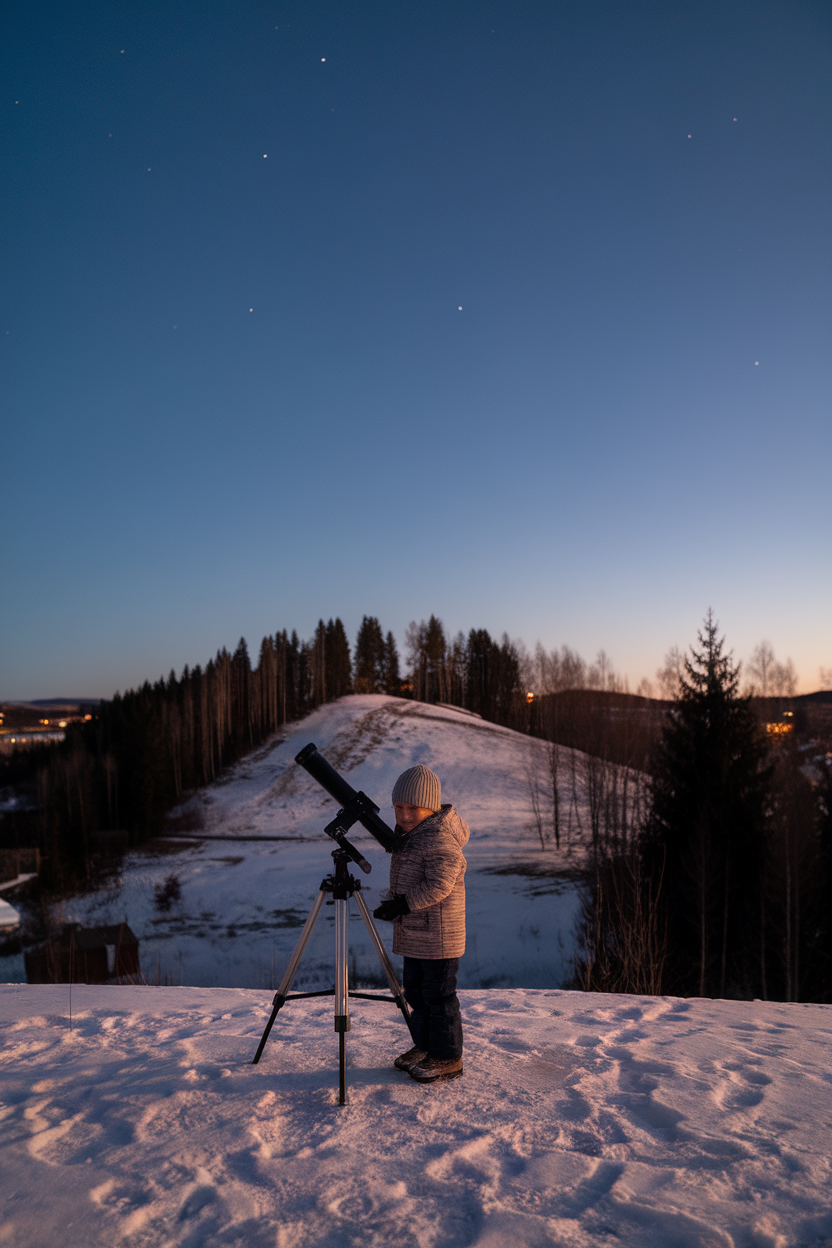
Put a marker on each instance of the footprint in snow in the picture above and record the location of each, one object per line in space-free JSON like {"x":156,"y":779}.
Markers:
{"x":740,"y":1088}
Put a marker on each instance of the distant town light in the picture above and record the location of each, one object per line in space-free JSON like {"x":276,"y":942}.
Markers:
{"x":530,"y":697}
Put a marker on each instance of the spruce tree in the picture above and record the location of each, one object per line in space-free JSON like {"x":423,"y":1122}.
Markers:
{"x":706,"y":833}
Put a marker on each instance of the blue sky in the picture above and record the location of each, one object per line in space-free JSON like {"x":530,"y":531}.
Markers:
{"x":238,"y":391}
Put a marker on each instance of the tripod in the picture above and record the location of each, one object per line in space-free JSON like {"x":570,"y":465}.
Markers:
{"x":341,"y":885}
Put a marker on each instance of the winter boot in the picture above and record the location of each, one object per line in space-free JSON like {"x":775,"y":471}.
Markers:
{"x":433,"y":1069}
{"x":411,"y":1058}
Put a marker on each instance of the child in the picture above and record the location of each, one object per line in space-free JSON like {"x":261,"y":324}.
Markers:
{"x":427,"y":907}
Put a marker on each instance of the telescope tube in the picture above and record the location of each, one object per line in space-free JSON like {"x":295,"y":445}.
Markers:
{"x":337,"y":787}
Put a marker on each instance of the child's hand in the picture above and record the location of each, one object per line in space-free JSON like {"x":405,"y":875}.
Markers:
{"x":389,"y":910}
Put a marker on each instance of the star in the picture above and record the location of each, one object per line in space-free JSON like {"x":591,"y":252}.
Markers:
{"x":323,"y":58}
{"x":459,"y":309}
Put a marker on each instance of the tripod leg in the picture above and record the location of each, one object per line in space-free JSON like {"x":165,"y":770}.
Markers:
{"x":387,"y":965}
{"x":342,"y":990}
{"x":291,"y":971}
{"x":342,"y":1068}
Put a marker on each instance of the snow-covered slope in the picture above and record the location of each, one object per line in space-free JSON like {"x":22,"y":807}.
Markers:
{"x":580,"y":1121}
{"x":371,"y":739}
{"x":243,"y":901}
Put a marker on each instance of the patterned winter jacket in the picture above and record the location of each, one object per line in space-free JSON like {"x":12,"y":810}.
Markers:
{"x":429,"y":869}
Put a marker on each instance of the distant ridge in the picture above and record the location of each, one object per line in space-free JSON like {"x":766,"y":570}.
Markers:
{"x":64,"y":702}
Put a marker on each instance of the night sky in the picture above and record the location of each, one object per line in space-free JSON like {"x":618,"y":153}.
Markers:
{"x":517,"y":314}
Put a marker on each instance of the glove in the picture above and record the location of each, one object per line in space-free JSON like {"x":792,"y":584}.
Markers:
{"x":389,"y":910}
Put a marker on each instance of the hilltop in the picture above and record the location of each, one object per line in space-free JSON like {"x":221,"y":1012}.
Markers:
{"x":371,"y":739}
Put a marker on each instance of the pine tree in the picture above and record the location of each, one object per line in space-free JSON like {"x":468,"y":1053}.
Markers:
{"x":241,"y":695}
{"x":319,"y":659}
{"x":706,"y":833}
{"x":435,"y":654}
{"x":428,"y":660}
{"x":369,"y":657}
{"x":417,"y":658}
{"x":479,"y":672}
{"x":392,"y":677}
{"x":267,"y":671}
{"x":492,"y":676}
{"x":339,"y":664}
{"x":507,"y":684}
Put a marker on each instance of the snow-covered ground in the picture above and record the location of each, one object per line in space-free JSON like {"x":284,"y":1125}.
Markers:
{"x":244,"y":900}
{"x":580,"y":1120}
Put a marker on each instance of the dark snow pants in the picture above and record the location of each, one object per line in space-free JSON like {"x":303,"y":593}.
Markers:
{"x":430,"y":987}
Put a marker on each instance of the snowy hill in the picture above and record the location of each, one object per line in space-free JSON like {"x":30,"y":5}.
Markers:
{"x":371,"y":739}
{"x":581,"y":1121}
{"x":243,"y":899}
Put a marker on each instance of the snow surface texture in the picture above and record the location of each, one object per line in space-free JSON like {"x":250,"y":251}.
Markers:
{"x":243,"y":902}
{"x":580,"y":1120}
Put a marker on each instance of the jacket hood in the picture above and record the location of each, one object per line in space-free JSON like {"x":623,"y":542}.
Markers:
{"x":449,"y":823}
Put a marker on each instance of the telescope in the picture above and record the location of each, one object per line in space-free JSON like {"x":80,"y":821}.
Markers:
{"x":356,"y":807}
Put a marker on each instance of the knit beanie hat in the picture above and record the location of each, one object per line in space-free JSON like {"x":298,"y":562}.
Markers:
{"x":418,"y":786}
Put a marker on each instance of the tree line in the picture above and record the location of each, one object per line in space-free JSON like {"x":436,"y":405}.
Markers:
{"x":715,"y":878}
{"x":710,"y":842}
{"x":146,"y":749}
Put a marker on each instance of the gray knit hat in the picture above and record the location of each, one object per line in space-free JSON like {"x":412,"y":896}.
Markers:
{"x":418,"y":786}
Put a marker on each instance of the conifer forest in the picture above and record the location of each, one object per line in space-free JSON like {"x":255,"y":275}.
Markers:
{"x":709,"y":869}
